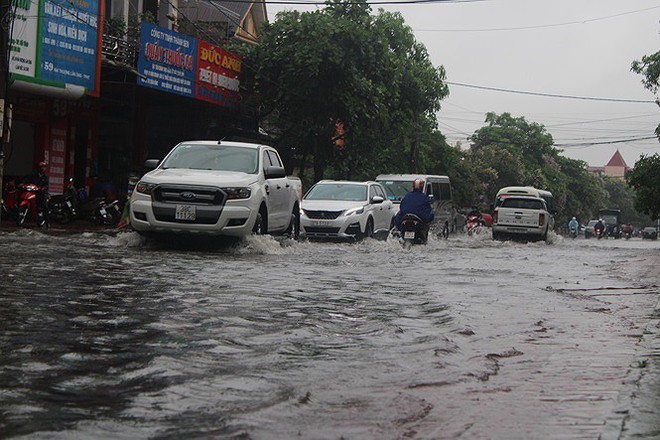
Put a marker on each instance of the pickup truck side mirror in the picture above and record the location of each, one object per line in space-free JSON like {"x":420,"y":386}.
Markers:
{"x":151,"y":163}
{"x":377,"y":199}
{"x":273,"y":172}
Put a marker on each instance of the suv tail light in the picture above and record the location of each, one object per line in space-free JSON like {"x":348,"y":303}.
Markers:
{"x":541,"y":219}
{"x":495,"y":216}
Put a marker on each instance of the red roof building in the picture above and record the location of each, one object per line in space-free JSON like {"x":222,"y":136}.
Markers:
{"x":616,"y":167}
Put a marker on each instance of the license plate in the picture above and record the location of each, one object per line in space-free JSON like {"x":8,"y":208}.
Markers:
{"x":320,"y":223}
{"x":409,"y":235}
{"x":103,"y":211}
{"x":68,"y":203}
{"x":185,"y":212}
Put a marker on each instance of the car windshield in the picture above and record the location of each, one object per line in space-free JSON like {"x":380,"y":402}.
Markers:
{"x":522,"y":203}
{"x":213,"y":157}
{"x":592,"y":222}
{"x":338,"y":191}
{"x":610,"y":219}
{"x":396,"y":190}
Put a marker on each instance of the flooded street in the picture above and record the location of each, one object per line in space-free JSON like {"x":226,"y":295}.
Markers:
{"x":115,"y":337}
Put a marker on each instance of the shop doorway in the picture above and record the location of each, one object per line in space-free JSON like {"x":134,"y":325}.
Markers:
{"x":19,"y":156}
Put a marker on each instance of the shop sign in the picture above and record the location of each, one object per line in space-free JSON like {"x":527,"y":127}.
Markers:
{"x":23,"y":43}
{"x":218,"y":74}
{"x":167,"y":60}
{"x":69,"y":42}
{"x":56,"y":157}
{"x":56,"y":43}
{"x":175,"y":63}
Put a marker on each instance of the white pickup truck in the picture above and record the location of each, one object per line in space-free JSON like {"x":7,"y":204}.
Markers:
{"x":217,"y":188}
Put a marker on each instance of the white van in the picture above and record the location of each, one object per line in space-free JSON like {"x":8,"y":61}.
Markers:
{"x":522,"y":211}
{"x":438,"y":188}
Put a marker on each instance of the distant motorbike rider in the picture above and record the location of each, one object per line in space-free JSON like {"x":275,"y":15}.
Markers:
{"x":599,"y":228}
{"x":573,"y":226}
{"x":417,"y":203}
{"x":40,"y":178}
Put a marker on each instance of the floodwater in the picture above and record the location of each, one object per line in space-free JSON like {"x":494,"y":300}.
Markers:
{"x":111,"y":336}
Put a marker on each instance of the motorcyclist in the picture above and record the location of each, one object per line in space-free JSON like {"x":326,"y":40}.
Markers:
{"x":417,"y":203}
{"x":40,"y":178}
{"x":573,"y":226}
{"x":599,"y":228}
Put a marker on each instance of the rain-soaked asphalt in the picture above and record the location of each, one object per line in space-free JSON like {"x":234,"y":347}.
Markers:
{"x":109,"y":336}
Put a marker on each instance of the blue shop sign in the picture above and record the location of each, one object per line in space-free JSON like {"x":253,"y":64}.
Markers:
{"x":167,"y":60}
{"x":69,"y":42}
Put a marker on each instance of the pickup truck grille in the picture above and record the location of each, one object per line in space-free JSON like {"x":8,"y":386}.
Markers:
{"x":208,"y":203}
{"x":323,"y":215}
{"x":192,"y":195}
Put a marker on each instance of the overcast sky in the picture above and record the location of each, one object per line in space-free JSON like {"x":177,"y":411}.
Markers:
{"x":578,"y":48}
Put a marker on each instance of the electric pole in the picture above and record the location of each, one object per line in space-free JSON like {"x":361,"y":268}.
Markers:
{"x":6,"y":20}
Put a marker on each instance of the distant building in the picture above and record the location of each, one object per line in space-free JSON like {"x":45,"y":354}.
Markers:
{"x":615,"y":168}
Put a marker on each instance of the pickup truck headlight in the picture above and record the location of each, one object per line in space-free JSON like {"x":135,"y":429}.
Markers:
{"x":234,"y":193}
{"x":144,"y":187}
{"x":352,"y":211}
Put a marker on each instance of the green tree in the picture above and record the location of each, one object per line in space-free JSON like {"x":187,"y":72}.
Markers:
{"x":342,"y":64}
{"x":649,"y":68}
{"x":645,"y":178}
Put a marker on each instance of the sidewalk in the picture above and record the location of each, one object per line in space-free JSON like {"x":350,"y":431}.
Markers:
{"x":75,"y":227}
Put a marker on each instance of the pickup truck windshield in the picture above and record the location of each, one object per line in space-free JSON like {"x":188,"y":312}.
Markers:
{"x":214,"y":157}
{"x":338,"y":191}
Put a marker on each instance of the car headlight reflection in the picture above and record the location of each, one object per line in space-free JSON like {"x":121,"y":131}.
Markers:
{"x":354,"y":211}
{"x":237,"y":193}
{"x":144,"y":187}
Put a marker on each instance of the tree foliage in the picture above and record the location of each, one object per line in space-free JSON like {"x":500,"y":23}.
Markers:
{"x":344,"y":65}
{"x":645,"y":178}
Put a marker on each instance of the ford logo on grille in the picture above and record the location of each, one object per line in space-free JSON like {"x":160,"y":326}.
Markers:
{"x":187,"y":195}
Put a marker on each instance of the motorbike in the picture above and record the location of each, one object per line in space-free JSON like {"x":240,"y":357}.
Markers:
{"x":599,"y":232}
{"x":27,"y":205}
{"x":9,"y":201}
{"x":474,"y":225}
{"x":573,"y":232}
{"x":413,"y":230}
{"x":62,"y":207}
{"x":100,"y":211}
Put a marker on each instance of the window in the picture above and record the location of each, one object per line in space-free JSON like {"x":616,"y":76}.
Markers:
{"x":372,"y":191}
{"x":380,"y":192}
{"x":274,"y":158}
{"x":445,"y":191}
{"x":521,"y":203}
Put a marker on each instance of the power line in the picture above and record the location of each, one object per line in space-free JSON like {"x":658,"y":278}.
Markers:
{"x":569,"y":23}
{"x":551,"y":95}
{"x":620,"y":141}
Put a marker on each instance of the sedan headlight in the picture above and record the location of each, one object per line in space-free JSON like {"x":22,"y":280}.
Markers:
{"x":353,"y":211}
{"x":234,"y":193}
{"x":144,"y":187}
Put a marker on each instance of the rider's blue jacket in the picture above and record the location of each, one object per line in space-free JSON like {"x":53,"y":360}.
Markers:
{"x":573,"y":224}
{"x":415,"y":202}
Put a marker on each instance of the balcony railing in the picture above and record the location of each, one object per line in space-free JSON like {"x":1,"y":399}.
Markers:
{"x":119,"y":51}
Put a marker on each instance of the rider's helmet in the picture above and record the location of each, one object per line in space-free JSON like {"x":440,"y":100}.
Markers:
{"x":418,"y":185}
{"x":42,"y":165}
{"x":573,"y":218}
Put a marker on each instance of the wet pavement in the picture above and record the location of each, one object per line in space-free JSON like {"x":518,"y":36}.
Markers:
{"x":108,"y":335}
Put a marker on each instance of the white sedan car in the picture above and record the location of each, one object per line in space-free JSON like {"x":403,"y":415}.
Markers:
{"x":345,"y":209}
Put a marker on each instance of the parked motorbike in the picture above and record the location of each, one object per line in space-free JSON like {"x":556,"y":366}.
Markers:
{"x":27,"y":205}
{"x":62,"y":207}
{"x":474,"y":225}
{"x":100,"y":211}
{"x":9,"y":201}
{"x":413,"y":230}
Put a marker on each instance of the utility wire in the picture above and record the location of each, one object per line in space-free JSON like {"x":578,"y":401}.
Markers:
{"x":569,"y":23}
{"x":551,"y":95}
{"x":620,"y":141}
